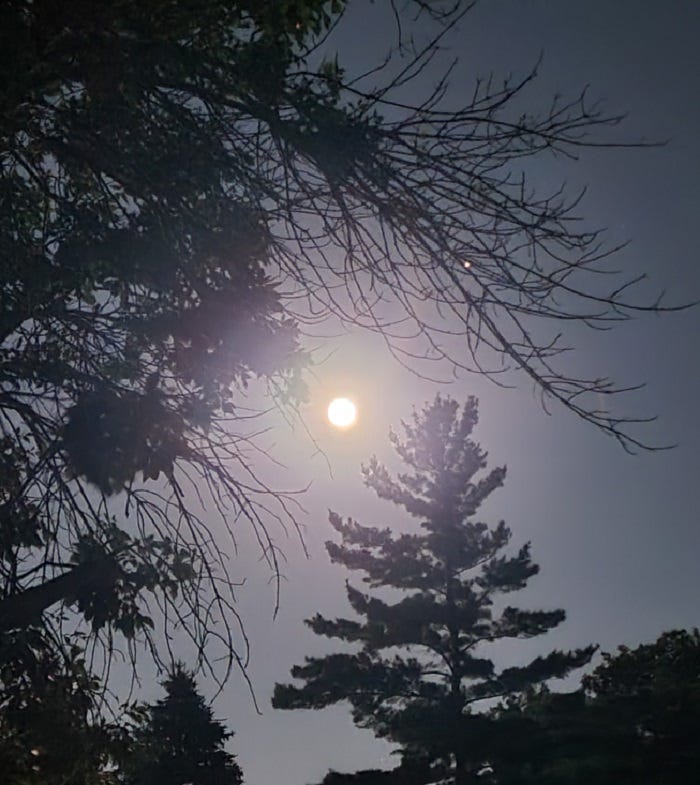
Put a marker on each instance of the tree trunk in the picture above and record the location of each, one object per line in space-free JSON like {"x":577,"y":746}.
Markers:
{"x":21,"y":610}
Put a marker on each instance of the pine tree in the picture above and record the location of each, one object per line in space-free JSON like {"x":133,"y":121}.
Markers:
{"x":422,"y":671}
{"x":179,"y":741}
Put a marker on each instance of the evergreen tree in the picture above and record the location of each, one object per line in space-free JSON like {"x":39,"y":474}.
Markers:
{"x":423,"y":671}
{"x":180,"y":743}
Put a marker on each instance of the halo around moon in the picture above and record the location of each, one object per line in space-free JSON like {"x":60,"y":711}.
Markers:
{"x":342,"y":413}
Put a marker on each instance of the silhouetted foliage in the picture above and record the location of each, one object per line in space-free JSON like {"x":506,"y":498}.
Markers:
{"x":50,"y":730}
{"x":422,"y":667}
{"x":411,"y":772}
{"x":138,"y":304}
{"x":53,"y":730}
{"x":637,"y":719}
{"x":178,"y":741}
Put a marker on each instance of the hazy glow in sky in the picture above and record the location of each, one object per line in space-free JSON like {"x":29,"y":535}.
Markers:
{"x":342,"y":412}
{"x":616,"y":537}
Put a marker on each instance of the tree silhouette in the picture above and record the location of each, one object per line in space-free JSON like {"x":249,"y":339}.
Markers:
{"x":53,"y":729}
{"x":636,"y":719}
{"x":179,"y":742}
{"x":138,"y":305}
{"x":652,"y":694}
{"x":423,"y":668}
{"x":51,"y":732}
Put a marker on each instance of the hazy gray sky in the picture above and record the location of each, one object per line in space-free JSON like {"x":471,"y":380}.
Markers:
{"x":617,"y":537}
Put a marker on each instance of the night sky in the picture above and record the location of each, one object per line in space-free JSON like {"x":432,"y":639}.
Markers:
{"x":616,"y":536}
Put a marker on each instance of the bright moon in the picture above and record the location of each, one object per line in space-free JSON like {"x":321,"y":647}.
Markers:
{"x":342,"y":412}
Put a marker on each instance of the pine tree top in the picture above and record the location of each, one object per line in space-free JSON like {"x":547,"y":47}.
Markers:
{"x":180,"y":741}
{"x":443,"y":485}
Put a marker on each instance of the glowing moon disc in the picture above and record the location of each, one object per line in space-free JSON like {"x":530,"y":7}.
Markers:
{"x":342,"y":412}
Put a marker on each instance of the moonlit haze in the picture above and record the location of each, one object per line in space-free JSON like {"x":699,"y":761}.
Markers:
{"x":617,"y":537}
{"x":251,"y":266}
